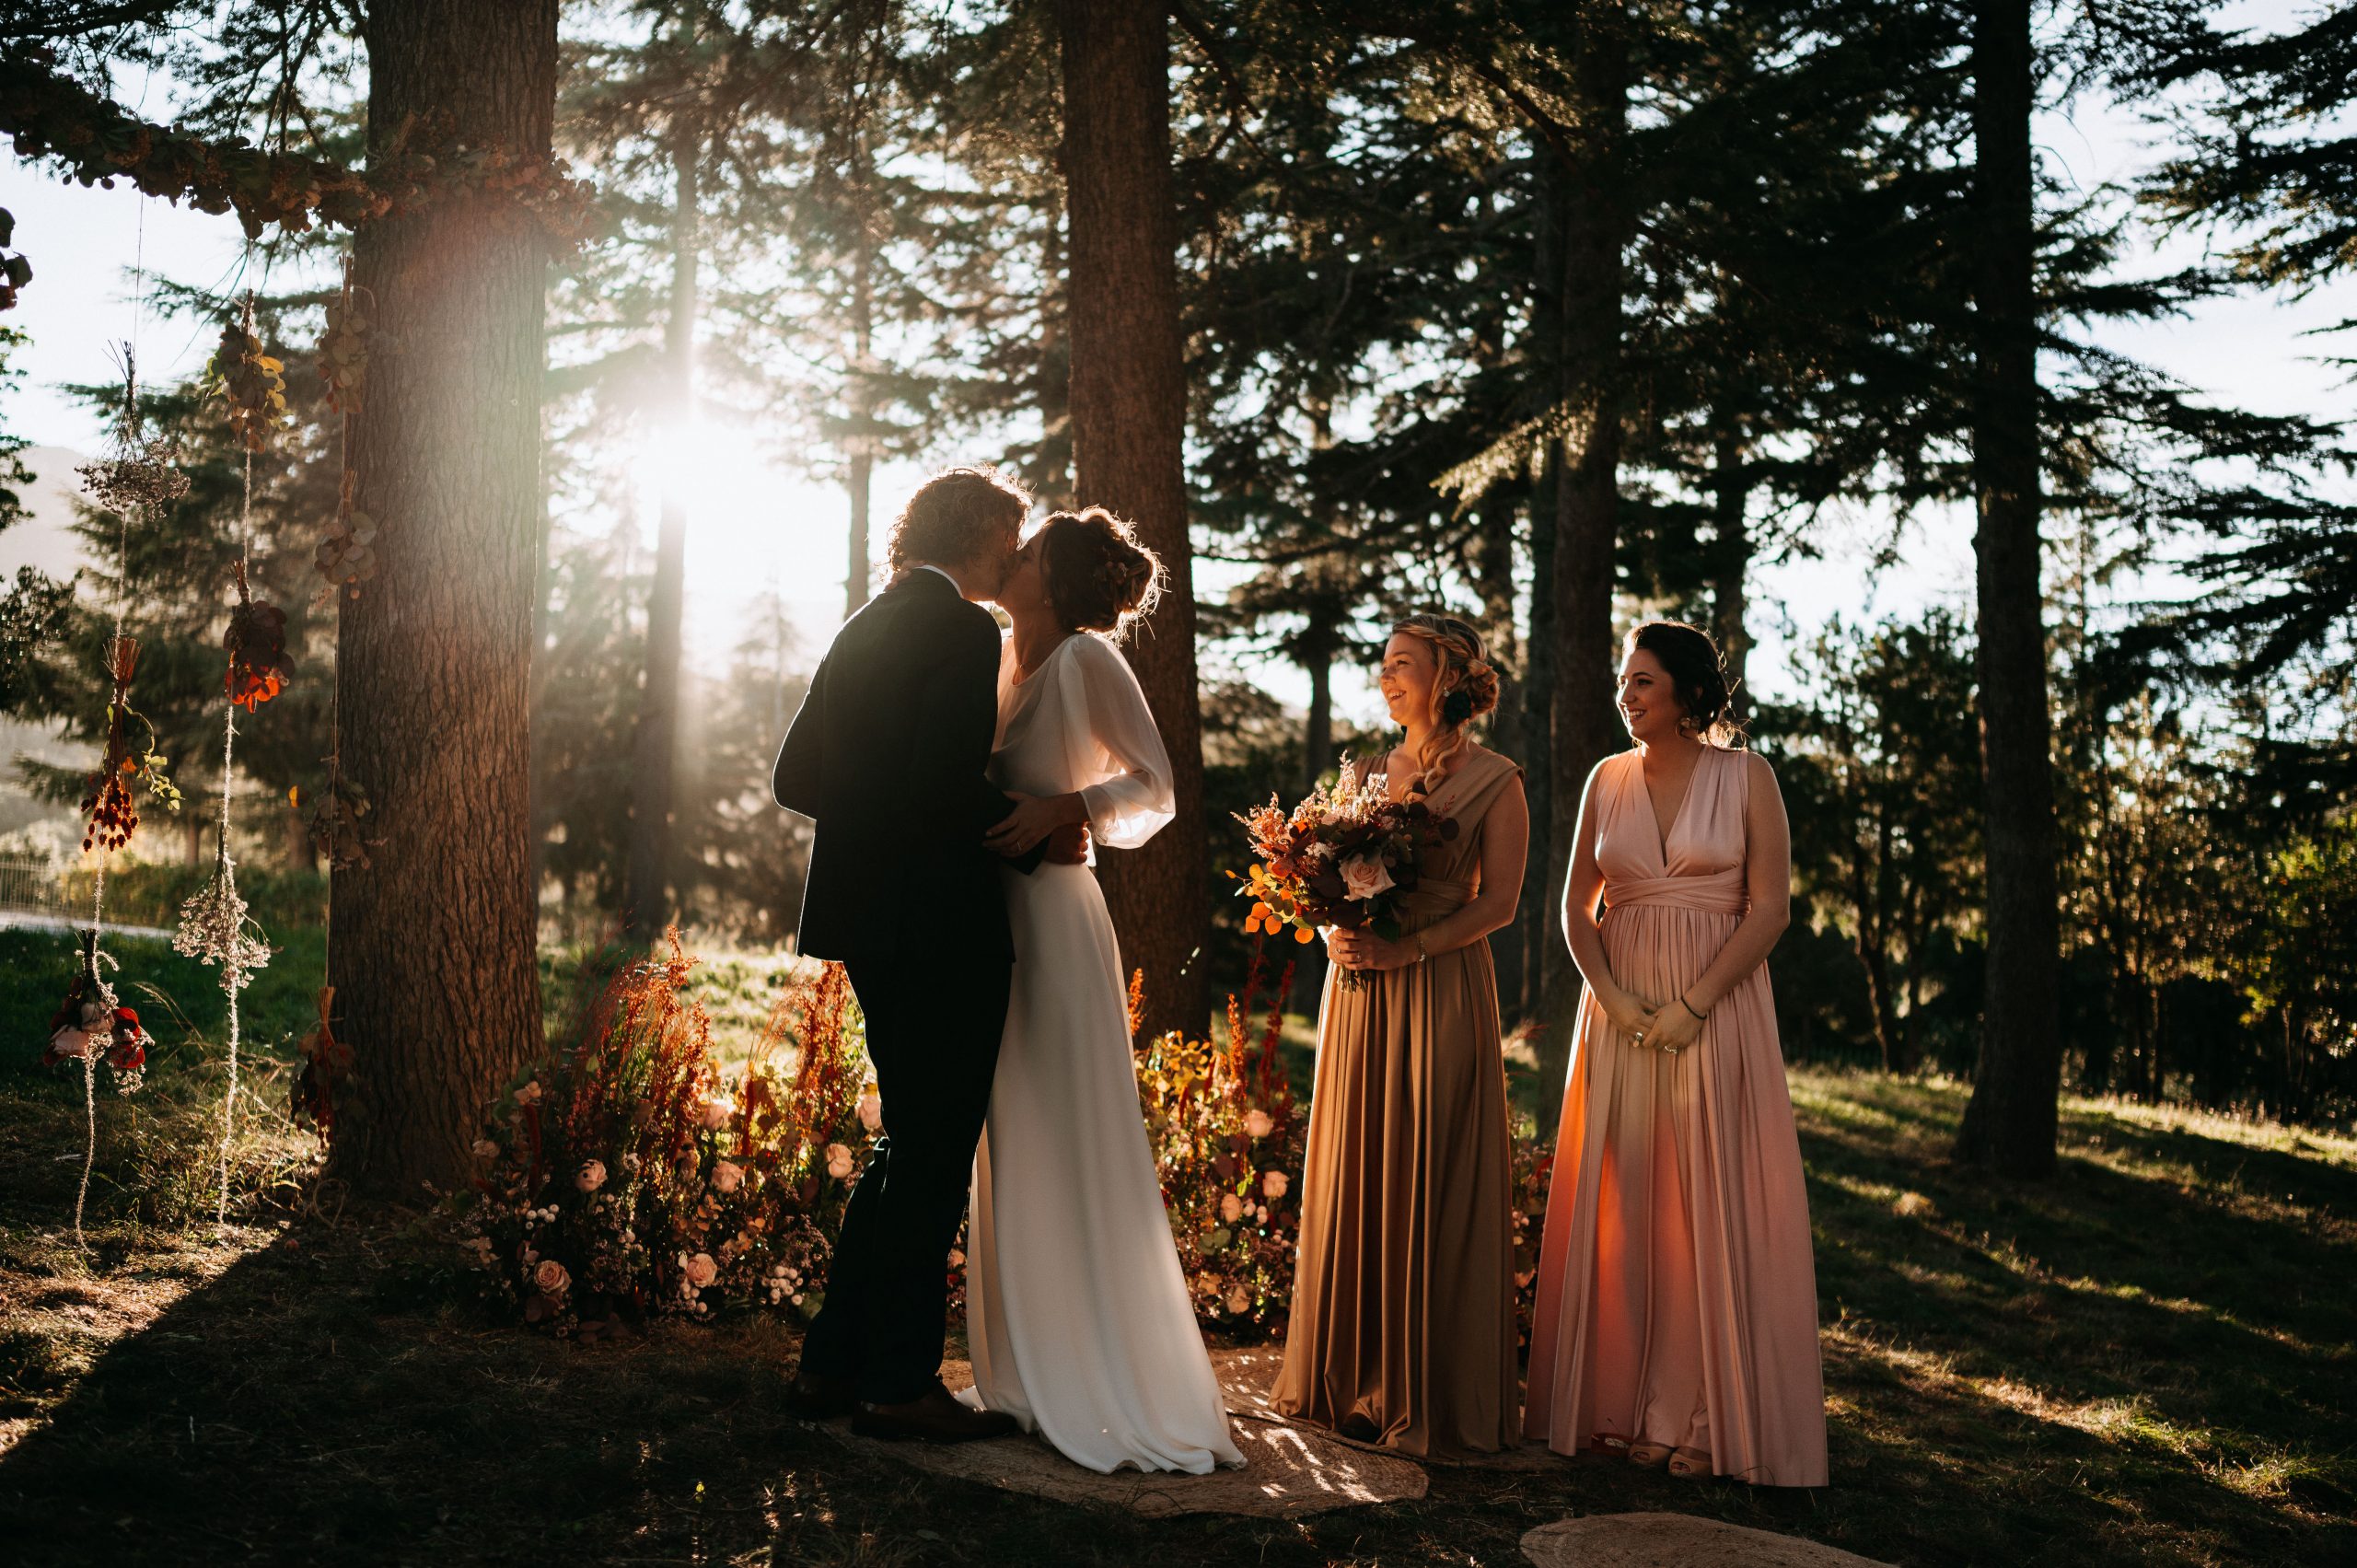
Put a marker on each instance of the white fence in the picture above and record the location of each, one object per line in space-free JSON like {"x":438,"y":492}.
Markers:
{"x":32,"y":885}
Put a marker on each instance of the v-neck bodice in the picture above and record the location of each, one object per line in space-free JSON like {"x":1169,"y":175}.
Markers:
{"x":1699,"y":865}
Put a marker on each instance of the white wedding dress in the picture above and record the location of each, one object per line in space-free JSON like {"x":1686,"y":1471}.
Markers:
{"x":1077,"y":1313}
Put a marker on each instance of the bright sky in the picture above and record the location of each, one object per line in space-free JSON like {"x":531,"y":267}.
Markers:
{"x":756,"y":521}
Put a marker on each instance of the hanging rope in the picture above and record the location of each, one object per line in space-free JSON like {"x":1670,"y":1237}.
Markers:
{"x":215,"y":925}
{"x":90,"y":1022}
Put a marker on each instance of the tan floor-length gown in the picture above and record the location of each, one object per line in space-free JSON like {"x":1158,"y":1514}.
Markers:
{"x":1403,"y":1305}
{"x":1677,"y":1288}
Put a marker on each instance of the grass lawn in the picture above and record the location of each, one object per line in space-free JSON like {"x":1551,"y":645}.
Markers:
{"x":2146,"y":1361}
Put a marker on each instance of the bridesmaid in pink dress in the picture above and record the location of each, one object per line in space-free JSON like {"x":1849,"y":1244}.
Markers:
{"x":1677,"y":1315}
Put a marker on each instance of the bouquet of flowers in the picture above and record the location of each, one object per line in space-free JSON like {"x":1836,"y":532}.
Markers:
{"x":1343,"y":857}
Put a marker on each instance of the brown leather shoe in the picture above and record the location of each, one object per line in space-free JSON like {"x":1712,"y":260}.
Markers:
{"x":814,"y":1396}
{"x":932,"y":1417}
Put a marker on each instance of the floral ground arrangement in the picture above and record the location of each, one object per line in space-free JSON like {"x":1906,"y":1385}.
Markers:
{"x":631,"y":1175}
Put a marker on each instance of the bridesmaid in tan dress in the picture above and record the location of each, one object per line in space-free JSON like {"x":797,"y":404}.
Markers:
{"x":1677,"y":1315}
{"x":1402,"y":1328}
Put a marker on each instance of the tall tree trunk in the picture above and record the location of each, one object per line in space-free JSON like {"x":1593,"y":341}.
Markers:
{"x":1494,"y":563}
{"x":1540,"y":912}
{"x":1319,"y":641}
{"x":1129,"y":419}
{"x":861,"y":476}
{"x":433,"y":964}
{"x":2009,"y":1125}
{"x":1731,"y":557}
{"x":655,"y":747}
{"x":1052,"y":483}
{"x":1588,"y":497}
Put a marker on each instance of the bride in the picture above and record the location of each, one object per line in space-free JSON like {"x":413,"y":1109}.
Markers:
{"x":1076,"y":1312}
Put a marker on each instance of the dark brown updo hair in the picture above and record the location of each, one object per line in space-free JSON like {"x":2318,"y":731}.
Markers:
{"x":956,"y":516}
{"x":1464,"y":686}
{"x":1099,"y":577}
{"x":1692,"y":662}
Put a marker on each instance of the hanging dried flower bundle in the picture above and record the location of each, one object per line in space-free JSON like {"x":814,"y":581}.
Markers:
{"x":141,"y":475}
{"x":347,"y":555}
{"x":326,"y":1060}
{"x":91,"y":1026}
{"x":343,"y":353}
{"x":250,"y":383}
{"x":258,"y":667}
{"x":335,"y":822}
{"x":216,"y":928}
{"x":110,"y":806}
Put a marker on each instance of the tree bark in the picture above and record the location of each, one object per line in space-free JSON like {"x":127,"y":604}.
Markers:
{"x":433,"y":962}
{"x":1129,"y":416}
{"x":656,"y":744}
{"x":2009,"y":1125}
{"x":1587,"y":495}
{"x":1731,"y":559}
{"x":862,"y":474}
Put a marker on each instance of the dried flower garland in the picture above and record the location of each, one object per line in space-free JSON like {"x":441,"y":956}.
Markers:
{"x":249,"y":382}
{"x":91,"y":1026}
{"x":139,"y":477}
{"x":215,"y":929}
{"x":326,"y":1062}
{"x":110,"y":805}
{"x":343,"y":353}
{"x":256,"y":643}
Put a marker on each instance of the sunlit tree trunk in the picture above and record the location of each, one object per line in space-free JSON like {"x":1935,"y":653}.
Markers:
{"x":1129,"y":414}
{"x":1731,"y":557}
{"x":2009,"y":1124}
{"x":436,"y":987}
{"x":1584,"y":727}
{"x":656,"y":744}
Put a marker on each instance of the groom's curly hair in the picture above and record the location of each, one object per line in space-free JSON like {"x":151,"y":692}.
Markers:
{"x":955,"y":516}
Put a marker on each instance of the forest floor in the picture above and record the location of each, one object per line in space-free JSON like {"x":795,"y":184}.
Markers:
{"x":2147,"y":1360}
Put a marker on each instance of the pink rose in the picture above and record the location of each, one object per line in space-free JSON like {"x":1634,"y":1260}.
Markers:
{"x":1231,"y":1207}
{"x":1240,"y":1300}
{"x":591,"y":1176}
{"x":702,"y":1270}
{"x":69,"y":1044}
{"x":1257,"y":1125}
{"x":1364,"y":875}
{"x":1273,"y":1184}
{"x":485,"y":1149}
{"x":552,"y":1278}
{"x":529,"y":1094}
{"x":727,"y":1176}
{"x":871,"y":1110}
{"x":838,"y":1162}
{"x":956,"y":1259}
{"x":716,"y":1112}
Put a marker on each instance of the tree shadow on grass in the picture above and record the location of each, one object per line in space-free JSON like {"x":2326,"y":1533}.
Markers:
{"x":2135,"y":1350}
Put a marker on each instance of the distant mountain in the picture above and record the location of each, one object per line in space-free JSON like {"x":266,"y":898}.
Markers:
{"x":46,"y":540}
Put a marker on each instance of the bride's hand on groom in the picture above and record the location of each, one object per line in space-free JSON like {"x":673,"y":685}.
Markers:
{"x":1035,"y":817}
{"x":1068,"y":845}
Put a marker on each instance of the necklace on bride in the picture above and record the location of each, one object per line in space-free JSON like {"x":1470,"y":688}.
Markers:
{"x":1028,"y":666}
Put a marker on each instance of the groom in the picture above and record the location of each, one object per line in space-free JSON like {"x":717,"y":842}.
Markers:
{"x":887,"y":757}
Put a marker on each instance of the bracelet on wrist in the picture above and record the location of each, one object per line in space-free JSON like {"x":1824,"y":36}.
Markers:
{"x":1690,"y":1007}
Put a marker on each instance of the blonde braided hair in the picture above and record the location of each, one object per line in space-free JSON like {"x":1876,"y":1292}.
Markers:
{"x":1464,"y":686}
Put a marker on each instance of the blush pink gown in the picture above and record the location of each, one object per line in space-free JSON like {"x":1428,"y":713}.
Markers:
{"x":1677,"y":1288}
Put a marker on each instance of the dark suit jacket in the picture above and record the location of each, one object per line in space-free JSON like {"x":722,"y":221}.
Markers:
{"x":887,"y":756}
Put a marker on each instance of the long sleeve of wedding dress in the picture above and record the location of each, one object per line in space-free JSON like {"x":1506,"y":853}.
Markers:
{"x":1110,"y":737}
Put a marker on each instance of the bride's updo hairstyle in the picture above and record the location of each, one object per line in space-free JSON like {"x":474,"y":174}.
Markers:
{"x":1704,"y":692}
{"x":1099,"y":577}
{"x":1464,"y":686}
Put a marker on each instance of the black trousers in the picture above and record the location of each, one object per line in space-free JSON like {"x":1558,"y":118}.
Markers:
{"x":933,"y":1024}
